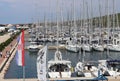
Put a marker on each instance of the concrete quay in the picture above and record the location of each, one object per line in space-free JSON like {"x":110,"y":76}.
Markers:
{"x":4,"y":37}
{"x":6,"y":62}
{"x":54,"y":79}
{"x":50,"y":47}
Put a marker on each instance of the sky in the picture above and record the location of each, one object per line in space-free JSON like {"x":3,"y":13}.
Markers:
{"x":26,"y":11}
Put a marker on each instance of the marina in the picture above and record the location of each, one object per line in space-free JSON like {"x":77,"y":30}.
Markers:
{"x":65,"y":40}
{"x":74,"y":57}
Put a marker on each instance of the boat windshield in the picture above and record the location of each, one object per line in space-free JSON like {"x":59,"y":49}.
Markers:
{"x":59,"y":68}
{"x":114,"y":65}
{"x":33,"y":43}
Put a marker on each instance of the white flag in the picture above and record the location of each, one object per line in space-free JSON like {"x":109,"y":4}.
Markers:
{"x":41,"y":64}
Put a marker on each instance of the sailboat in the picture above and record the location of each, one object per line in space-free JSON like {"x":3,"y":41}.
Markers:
{"x":86,"y":70}
{"x":34,"y":47}
{"x":115,"y":41}
{"x":72,"y":44}
{"x":98,"y":45}
{"x":109,"y":67}
{"x":59,"y":68}
{"x":86,"y":46}
{"x":82,"y":68}
{"x":115,"y":45}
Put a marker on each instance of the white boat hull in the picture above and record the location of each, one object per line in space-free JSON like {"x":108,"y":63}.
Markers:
{"x":58,"y":75}
{"x":86,"y":47}
{"x":112,"y":47}
{"x":98,"y":47}
{"x":34,"y":48}
{"x":72,"y":48}
{"x":114,"y":73}
{"x":84,"y":71}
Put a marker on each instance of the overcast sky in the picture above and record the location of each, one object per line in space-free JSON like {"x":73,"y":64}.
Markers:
{"x":25,"y":11}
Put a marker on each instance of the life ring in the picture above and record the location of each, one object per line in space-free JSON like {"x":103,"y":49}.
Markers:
{"x":79,"y":66}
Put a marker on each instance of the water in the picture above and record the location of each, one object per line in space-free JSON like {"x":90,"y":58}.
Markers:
{"x":15,"y":71}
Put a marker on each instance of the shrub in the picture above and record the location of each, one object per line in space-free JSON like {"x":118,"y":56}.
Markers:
{"x":7,"y":42}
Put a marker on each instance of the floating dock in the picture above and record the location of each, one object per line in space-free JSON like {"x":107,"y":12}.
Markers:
{"x":51,"y":47}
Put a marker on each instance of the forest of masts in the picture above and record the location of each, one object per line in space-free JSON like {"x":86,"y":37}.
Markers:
{"x":108,"y":16}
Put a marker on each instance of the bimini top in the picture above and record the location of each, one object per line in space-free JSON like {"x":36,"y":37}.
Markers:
{"x":113,"y":61}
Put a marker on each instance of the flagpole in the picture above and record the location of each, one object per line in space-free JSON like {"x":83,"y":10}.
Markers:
{"x":21,"y":54}
{"x":23,"y":73}
{"x":23,"y":57}
{"x":47,"y":63}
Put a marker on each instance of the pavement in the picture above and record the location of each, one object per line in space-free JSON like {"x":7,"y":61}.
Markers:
{"x":35,"y":79}
{"x":4,"y":37}
{"x":7,"y":48}
{"x":5,"y":57}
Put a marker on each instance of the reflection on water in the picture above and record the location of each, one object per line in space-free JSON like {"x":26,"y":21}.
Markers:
{"x":15,"y":71}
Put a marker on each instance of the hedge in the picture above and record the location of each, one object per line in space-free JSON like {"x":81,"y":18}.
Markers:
{"x":7,"y":42}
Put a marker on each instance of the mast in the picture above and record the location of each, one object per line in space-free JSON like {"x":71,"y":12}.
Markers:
{"x":46,"y":27}
{"x":117,"y":19}
{"x":88,"y":24}
{"x":108,"y":26}
{"x":81,"y":19}
{"x":91,"y":20}
{"x":62,"y":24}
{"x":88,"y":32}
{"x":71,"y":23}
{"x":113,"y":20}
{"x":83,"y":15}
{"x":57,"y":23}
{"x":108,"y":23}
{"x":100,"y":22}
{"x":82,"y":28}
{"x":74,"y":16}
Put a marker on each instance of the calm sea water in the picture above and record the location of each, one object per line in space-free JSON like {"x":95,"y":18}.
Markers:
{"x":15,"y":71}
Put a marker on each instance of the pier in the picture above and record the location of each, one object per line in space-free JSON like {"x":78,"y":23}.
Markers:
{"x":72,"y":78}
{"x":51,"y":47}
